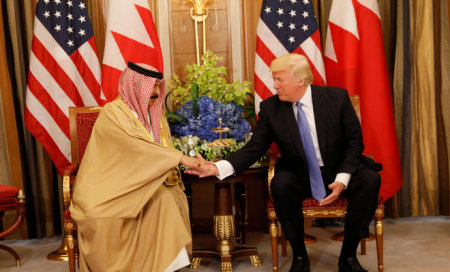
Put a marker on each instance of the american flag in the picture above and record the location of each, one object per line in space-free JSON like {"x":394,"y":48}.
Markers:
{"x":64,"y":72}
{"x":285,"y":26}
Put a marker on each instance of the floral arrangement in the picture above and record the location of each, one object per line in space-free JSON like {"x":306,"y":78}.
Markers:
{"x":209,"y":112}
{"x":202,"y":147}
{"x":199,"y":102}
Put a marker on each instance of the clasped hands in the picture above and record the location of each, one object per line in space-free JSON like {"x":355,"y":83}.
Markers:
{"x":199,"y":166}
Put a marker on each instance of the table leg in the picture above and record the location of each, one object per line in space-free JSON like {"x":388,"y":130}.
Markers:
{"x":224,"y":230}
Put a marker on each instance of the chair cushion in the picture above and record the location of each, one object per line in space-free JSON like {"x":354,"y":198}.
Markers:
{"x":8,"y":207}
{"x":312,"y":203}
{"x":7,"y":201}
{"x":7,"y":191}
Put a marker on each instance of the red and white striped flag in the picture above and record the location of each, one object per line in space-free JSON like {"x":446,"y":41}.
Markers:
{"x":64,"y":72}
{"x":355,"y":60}
{"x":130,"y":36}
{"x":285,"y":27}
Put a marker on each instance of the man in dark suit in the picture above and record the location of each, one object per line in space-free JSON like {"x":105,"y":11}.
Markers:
{"x":320,"y":142}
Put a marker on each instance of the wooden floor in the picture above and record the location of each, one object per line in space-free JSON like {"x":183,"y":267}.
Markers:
{"x":419,"y":244}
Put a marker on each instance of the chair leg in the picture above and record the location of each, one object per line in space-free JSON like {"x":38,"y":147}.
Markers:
{"x":71,"y":252}
{"x":274,"y":240}
{"x":379,"y":237}
{"x":69,"y":228}
{"x":12,"y":252}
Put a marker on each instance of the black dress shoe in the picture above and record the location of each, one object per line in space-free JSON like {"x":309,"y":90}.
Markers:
{"x":350,"y":264}
{"x":300,"y":264}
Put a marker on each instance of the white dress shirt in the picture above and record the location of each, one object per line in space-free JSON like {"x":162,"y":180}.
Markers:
{"x":226,"y":169}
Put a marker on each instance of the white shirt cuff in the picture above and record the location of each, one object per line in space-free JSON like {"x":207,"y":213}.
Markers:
{"x":225,"y":169}
{"x":343,"y":178}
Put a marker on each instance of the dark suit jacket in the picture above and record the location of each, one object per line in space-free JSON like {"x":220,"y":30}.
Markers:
{"x":338,"y":131}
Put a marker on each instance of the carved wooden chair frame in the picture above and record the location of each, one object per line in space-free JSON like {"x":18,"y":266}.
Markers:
{"x":69,"y":176}
{"x":13,"y":203}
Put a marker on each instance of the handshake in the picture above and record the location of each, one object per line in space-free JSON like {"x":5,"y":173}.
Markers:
{"x":199,"y":166}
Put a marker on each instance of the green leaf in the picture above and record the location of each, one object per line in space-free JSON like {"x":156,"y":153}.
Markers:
{"x":194,"y":97}
{"x":173,"y":116}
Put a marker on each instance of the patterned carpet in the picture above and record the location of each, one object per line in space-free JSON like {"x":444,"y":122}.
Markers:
{"x":419,"y":244}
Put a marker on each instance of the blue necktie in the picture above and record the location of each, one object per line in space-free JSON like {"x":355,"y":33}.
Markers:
{"x":315,"y":177}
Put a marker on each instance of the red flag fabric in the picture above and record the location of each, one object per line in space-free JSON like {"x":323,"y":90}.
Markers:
{"x":130,"y":36}
{"x":285,"y":27}
{"x":355,"y":60}
{"x":64,"y":72}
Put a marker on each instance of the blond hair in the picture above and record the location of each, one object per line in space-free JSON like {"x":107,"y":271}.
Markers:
{"x":298,"y":64}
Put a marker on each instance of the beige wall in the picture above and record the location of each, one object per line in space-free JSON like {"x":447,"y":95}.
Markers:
{"x":181,"y":29}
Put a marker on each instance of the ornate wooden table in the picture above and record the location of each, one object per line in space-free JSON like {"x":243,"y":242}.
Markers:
{"x":224,"y":223}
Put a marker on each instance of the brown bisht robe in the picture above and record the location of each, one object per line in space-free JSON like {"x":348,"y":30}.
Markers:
{"x":128,"y":219}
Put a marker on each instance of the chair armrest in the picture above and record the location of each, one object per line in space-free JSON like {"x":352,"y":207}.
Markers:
{"x":271,"y":173}
{"x":68,"y":178}
{"x":21,"y":211}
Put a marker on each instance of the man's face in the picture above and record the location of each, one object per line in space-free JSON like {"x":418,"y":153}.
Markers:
{"x":289,"y":89}
{"x":155,"y":94}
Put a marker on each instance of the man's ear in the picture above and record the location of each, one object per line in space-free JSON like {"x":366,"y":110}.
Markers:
{"x":302,"y":82}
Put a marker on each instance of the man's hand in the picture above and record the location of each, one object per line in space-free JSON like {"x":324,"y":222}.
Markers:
{"x":190,"y":161}
{"x":337,"y":188}
{"x":202,"y":168}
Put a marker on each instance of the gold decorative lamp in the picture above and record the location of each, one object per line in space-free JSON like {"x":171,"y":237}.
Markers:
{"x":199,"y":12}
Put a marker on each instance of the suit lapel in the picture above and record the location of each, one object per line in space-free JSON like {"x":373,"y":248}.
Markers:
{"x":292,"y":128}
{"x":320,"y":117}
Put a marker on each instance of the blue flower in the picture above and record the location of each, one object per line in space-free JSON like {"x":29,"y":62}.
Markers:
{"x":208,"y":118}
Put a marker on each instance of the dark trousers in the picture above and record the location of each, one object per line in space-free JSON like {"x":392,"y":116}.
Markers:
{"x":289,"y":189}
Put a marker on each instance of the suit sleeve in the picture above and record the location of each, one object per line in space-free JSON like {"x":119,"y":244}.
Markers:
{"x":260,"y":142}
{"x":353,"y":143}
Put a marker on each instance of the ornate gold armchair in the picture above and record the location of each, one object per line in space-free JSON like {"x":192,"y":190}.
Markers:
{"x":82,"y":121}
{"x":11,"y":199}
{"x":311,"y":210}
